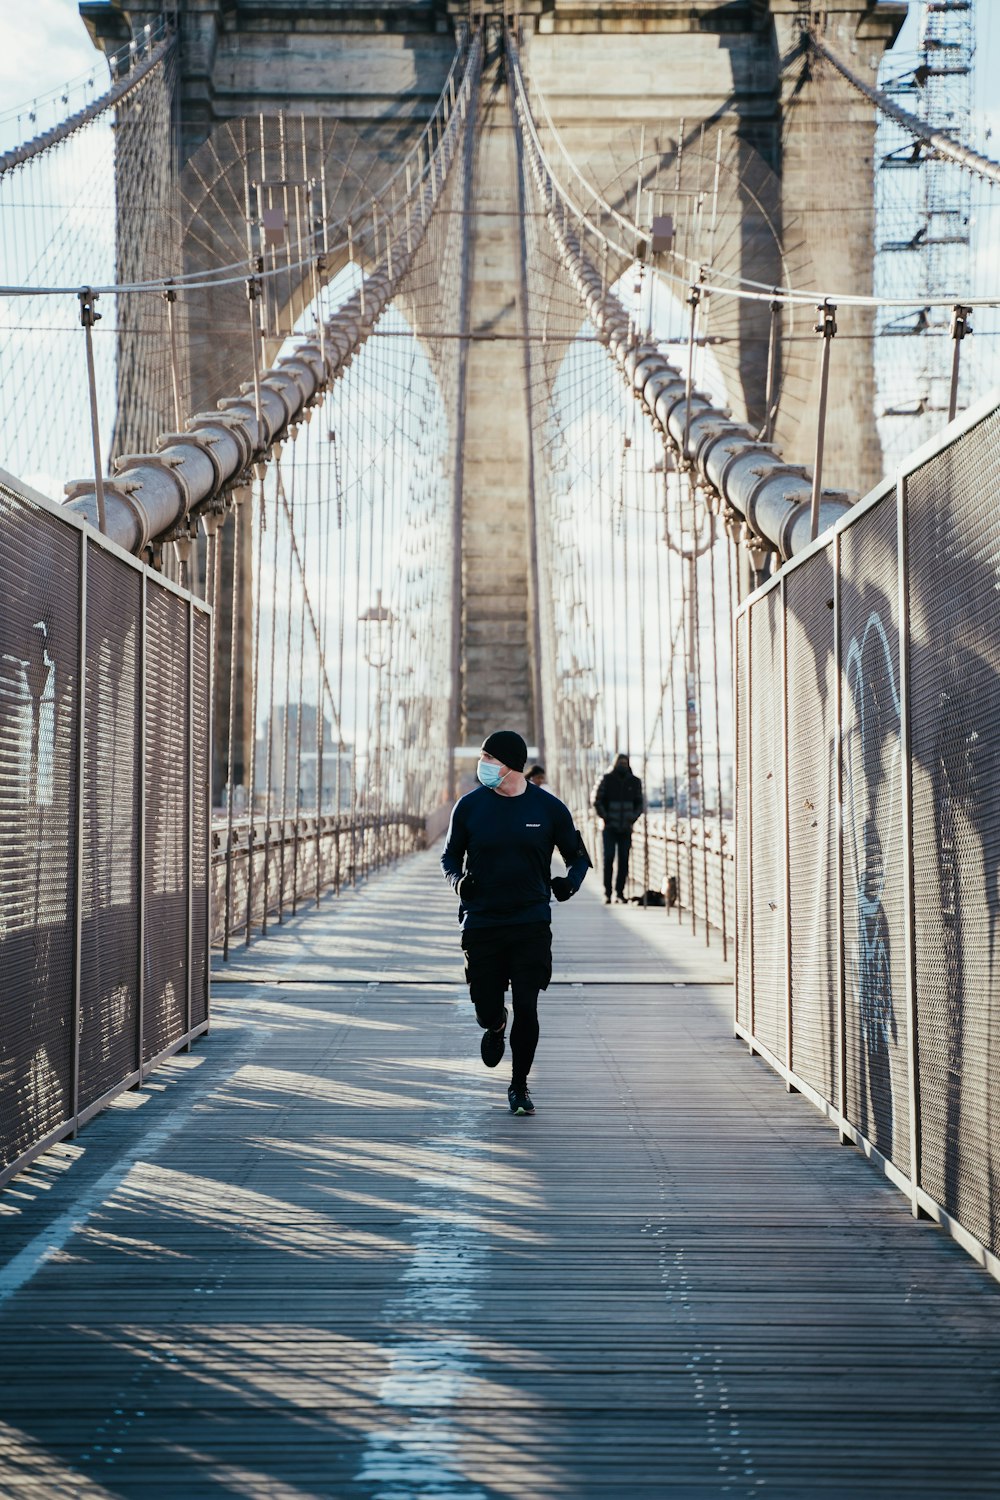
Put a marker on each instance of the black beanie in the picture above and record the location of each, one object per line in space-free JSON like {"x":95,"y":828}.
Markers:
{"x":508,"y":748}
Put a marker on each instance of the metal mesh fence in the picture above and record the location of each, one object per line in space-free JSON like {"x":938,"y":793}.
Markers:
{"x":744,"y":972}
{"x":166,"y":981}
{"x":766,"y":843}
{"x":88,"y":984}
{"x":952,"y":548}
{"x":200,"y":833}
{"x":109,"y":942}
{"x":39,"y":743}
{"x":812,"y":822}
{"x":874,"y":941}
{"x":913,"y":861}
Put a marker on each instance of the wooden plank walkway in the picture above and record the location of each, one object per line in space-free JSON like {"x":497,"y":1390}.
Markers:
{"x":318,"y":1258}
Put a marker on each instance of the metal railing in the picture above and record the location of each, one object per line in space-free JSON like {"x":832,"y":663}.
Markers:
{"x":270,"y":870}
{"x":695,"y":868}
{"x":104,"y":834}
{"x":868,"y":827}
{"x":691,"y":865}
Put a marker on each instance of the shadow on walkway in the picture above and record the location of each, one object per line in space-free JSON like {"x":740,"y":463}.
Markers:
{"x":318,"y":1258}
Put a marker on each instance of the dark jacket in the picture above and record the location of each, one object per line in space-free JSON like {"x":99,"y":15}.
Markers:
{"x":506,"y":845}
{"x":618,"y":799}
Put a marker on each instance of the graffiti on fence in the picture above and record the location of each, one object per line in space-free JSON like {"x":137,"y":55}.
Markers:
{"x":871,"y":813}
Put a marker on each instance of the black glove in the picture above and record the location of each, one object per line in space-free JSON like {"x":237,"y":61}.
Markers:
{"x":466,"y":889}
{"x":562,"y":888}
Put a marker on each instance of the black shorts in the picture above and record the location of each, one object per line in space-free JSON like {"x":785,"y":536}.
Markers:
{"x":521,"y":953}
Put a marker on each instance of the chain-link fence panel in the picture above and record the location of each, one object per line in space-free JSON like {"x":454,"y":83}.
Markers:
{"x":110,"y":936}
{"x":744,"y":954}
{"x":165,"y":995}
{"x":953,"y":546}
{"x":812,"y":821}
{"x":767,"y":790}
{"x":40,"y":570}
{"x":201,"y":709}
{"x":87,"y":991}
{"x":874,"y":881}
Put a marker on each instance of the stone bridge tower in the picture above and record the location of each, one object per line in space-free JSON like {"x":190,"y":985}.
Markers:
{"x":671,"y":67}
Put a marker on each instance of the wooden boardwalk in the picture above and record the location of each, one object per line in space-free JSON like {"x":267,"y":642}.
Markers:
{"x":318,"y":1258}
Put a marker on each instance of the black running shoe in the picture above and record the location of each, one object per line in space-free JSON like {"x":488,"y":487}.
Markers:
{"x":491,"y":1046}
{"x":520,"y":1100}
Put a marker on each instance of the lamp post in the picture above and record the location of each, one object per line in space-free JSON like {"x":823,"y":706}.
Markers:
{"x":378,"y":624}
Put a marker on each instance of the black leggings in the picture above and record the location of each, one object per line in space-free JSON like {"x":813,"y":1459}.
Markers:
{"x":520,"y":956}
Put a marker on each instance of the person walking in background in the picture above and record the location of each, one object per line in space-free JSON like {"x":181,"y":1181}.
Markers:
{"x":618,"y":802}
{"x":498,"y":857}
{"x":536,"y":776}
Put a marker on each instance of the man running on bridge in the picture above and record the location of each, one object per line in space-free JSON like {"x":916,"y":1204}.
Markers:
{"x":498,"y":857}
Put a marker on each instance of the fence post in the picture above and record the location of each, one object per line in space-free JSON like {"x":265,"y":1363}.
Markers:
{"x":141,"y":1009}
{"x":81,"y":730}
{"x":205,"y":813}
{"x":841,"y":974}
{"x":748,"y":675}
{"x":786,"y":841}
{"x":190,"y":821}
{"x":739,"y":781}
{"x":906,"y":788}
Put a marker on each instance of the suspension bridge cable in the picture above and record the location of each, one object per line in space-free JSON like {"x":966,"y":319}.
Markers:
{"x":117,"y":94}
{"x":938,"y":142}
{"x":713,"y":281}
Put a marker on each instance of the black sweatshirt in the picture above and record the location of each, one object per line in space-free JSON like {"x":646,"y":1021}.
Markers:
{"x":506,"y":844}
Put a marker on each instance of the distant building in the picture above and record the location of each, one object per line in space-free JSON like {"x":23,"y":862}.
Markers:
{"x":299,"y":771}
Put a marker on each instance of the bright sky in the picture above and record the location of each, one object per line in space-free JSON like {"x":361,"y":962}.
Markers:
{"x":41,"y":48}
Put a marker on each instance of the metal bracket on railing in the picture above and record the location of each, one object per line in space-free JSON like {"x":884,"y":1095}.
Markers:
{"x":693,"y":300}
{"x":255,"y":295}
{"x":826,"y":328}
{"x":960,"y":326}
{"x":88,"y":317}
{"x":170,"y":297}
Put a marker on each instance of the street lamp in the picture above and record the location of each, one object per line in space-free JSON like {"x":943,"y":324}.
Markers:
{"x":378,"y":624}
